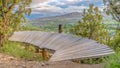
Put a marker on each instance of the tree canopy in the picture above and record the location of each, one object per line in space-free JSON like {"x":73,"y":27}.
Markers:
{"x":91,"y":25}
{"x":12,"y":13}
{"x":113,"y":8}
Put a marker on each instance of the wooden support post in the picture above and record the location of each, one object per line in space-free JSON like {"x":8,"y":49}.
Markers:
{"x":26,"y":45}
{"x":44,"y":54}
{"x":60,"y":28}
{"x":36,"y":50}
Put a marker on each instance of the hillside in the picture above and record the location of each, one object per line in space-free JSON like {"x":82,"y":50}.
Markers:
{"x":68,"y":20}
{"x":61,"y":19}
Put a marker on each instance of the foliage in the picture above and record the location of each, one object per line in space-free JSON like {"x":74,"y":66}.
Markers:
{"x":91,"y":26}
{"x":92,"y":61}
{"x":113,"y":8}
{"x":11,"y":15}
{"x":112,"y":61}
{"x":50,"y":28}
{"x":27,"y":26}
{"x":18,"y":50}
{"x":115,"y":42}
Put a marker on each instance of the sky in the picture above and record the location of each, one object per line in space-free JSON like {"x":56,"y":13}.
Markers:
{"x":45,"y":8}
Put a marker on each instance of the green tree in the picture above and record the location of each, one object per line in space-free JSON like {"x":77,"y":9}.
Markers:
{"x":116,"y":41}
{"x":113,"y":8}
{"x":12,"y":13}
{"x":91,"y":26}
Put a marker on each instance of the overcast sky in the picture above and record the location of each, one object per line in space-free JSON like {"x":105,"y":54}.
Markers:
{"x":54,"y":7}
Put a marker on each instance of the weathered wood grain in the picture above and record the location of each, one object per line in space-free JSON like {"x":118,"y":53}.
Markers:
{"x":66,"y":46}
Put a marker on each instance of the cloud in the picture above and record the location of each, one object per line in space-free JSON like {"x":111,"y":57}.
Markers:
{"x":36,"y":2}
{"x":62,"y":6}
{"x":74,"y":9}
{"x":45,"y":8}
{"x":39,"y":1}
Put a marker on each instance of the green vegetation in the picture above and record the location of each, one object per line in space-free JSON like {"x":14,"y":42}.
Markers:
{"x":113,"y":61}
{"x":51,"y":28}
{"x":115,"y":42}
{"x":27,"y":26}
{"x":60,"y":20}
{"x":9,"y":20}
{"x":113,"y":8}
{"x":18,"y":50}
{"x":92,"y":61}
{"x":91,"y":26}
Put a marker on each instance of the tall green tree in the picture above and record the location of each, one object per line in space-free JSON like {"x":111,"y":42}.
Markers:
{"x":91,"y":25}
{"x":11,"y":15}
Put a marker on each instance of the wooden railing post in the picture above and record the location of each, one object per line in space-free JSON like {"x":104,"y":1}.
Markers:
{"x":60,"y":28}
{"x":44,"y":54}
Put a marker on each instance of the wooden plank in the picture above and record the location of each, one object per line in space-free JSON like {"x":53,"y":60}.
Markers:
{"x":66,"y":46}
{"x":81,"y":54}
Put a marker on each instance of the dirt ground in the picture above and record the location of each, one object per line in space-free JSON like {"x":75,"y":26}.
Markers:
{"x":11,"y":62}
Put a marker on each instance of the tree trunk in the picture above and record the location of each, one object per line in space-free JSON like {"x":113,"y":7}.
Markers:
{"x":2,"y":39}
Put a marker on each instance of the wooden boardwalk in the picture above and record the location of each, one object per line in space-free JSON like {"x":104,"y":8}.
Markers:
{"x":66,"y":46}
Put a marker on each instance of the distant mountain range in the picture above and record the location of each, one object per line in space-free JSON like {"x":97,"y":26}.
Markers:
{"x":69,"y":18}
{"x":68,"y":15}
{"x":61,"y":19}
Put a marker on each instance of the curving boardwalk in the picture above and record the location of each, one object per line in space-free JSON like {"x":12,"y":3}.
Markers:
{"x":66,"y":46}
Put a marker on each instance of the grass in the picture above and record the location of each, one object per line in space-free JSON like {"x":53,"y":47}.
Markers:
{"x":18,"y":50}
{"x":113,"y":61}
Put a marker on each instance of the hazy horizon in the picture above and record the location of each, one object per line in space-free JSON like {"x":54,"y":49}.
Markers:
{"x":46,"y":8}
